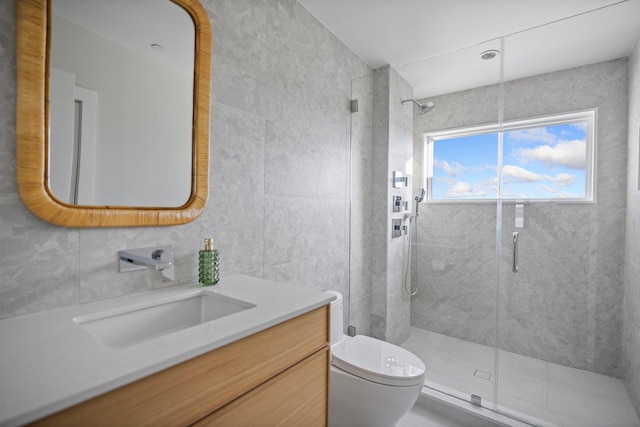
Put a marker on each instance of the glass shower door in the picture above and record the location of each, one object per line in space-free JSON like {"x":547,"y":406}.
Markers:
{"x":520,"y":279}
{"x":454,"y":253}
{"x":360,"y":213}
{"x":561,"y":237}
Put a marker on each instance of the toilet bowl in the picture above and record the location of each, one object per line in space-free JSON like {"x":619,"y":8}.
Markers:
{"x":371,"y":383}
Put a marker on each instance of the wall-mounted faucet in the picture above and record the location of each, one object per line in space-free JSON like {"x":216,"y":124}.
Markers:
{"x":153,"y":258}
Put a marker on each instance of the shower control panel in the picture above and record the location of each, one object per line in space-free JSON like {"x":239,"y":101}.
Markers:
{"x":396,"y":227}
{"x":397,"y":203}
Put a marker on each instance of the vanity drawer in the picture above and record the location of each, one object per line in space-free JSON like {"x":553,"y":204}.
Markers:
{"x":296,"y":397}
{"x":186,"y":393}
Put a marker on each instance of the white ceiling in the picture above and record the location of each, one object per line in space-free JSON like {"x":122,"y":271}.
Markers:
{"x":137,"y":25}
{"x":435,"y":44}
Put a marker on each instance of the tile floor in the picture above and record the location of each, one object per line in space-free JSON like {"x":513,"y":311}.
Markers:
{"x":420,"y":416}
{"x":543,"y":393}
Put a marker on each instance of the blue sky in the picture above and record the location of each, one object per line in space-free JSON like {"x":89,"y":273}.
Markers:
{"x":539,"y":163}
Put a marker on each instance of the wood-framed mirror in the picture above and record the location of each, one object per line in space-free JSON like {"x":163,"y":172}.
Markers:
{"x":34,"y":140}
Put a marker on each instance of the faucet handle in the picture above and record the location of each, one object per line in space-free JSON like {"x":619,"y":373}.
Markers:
{"x":162,"y":255}
{"x":168,"y":274}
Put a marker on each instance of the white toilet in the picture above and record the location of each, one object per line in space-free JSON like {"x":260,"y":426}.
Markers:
{"x":371,"y":383}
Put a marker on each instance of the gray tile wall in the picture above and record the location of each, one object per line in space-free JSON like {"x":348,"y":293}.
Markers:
{"x":280,"y":164}
{"x":380,"y":202}
{"x":631,"y":317}
{"x":564,"y":306}
{"x":392,"y":151}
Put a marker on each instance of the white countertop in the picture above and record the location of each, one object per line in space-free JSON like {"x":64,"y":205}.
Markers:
{"x":49,"y":362}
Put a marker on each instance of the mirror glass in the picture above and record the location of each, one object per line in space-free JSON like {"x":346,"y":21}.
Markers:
{"x":121,"y":103}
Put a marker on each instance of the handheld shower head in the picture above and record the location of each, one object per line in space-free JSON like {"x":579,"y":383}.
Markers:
{"x":422,"y":108}
{"x":419,"y":198}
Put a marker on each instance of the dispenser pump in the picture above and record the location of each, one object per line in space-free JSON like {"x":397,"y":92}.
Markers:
{"x":208,"y":244}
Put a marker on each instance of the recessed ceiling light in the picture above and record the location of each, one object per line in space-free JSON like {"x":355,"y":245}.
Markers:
{"x":157,"y":47}
{"x":489,"y":54}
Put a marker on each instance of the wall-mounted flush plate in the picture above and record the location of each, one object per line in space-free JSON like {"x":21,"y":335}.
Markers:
{"x":399,"y":180}
{"x":396,"y":227}
{"x":397,"y":203}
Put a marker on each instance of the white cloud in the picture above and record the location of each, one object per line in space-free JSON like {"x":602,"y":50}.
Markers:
{"x":571,"y":154}
{"x":489,"y":184}
{"x":464,"y":189}
{"x":482,"y":168}
{"x":446,"y":180}
{"x":582,"y":126}
{"x":453,"y":169}
{"x":518,"y":174}
{"x":561,"y":179}
{"x":533,"y":134}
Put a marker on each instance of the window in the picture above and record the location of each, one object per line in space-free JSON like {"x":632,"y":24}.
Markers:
{"x":548,"y":158}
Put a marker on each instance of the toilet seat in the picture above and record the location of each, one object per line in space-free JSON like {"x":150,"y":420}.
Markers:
{"x":377,"y":361}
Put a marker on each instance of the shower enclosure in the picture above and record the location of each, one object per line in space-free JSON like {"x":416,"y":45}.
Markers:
{"x":520,"y":276}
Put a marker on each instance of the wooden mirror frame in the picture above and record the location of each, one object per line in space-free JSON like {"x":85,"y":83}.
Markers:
{"x":32,"y":124}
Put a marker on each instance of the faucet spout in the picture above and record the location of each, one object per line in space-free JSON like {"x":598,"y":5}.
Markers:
{"x":152,"y":263}
{"x":154,"y":258}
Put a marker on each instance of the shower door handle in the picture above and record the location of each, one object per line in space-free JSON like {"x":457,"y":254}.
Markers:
{"x":514,"y":267}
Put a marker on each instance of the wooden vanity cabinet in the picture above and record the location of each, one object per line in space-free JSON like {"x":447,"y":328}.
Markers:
{"x":275,"y":377}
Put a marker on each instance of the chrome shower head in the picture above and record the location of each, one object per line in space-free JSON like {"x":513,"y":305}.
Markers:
{"x":422,"y":108}
{"x":425,"y":108}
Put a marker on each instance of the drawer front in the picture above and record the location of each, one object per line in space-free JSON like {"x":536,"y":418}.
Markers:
{"x":185,"y":393}
{"x":296,"y":397}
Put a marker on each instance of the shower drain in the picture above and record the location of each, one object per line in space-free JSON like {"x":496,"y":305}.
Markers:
{"x":482,"y":374}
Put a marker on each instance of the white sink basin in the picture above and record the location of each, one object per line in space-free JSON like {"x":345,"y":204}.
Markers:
{"x":130,"y":325}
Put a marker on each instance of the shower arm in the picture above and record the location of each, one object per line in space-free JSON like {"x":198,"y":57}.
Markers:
{"x":402,"y":101}
{"x":422,"y":108}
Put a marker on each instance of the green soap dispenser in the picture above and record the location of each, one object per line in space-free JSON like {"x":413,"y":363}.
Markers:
{"x":209,"y":264}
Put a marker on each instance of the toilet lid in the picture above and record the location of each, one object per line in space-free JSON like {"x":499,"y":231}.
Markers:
{"x":378,"y":361}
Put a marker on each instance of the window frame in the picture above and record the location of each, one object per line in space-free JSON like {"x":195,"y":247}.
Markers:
{"x":590,"y":116}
